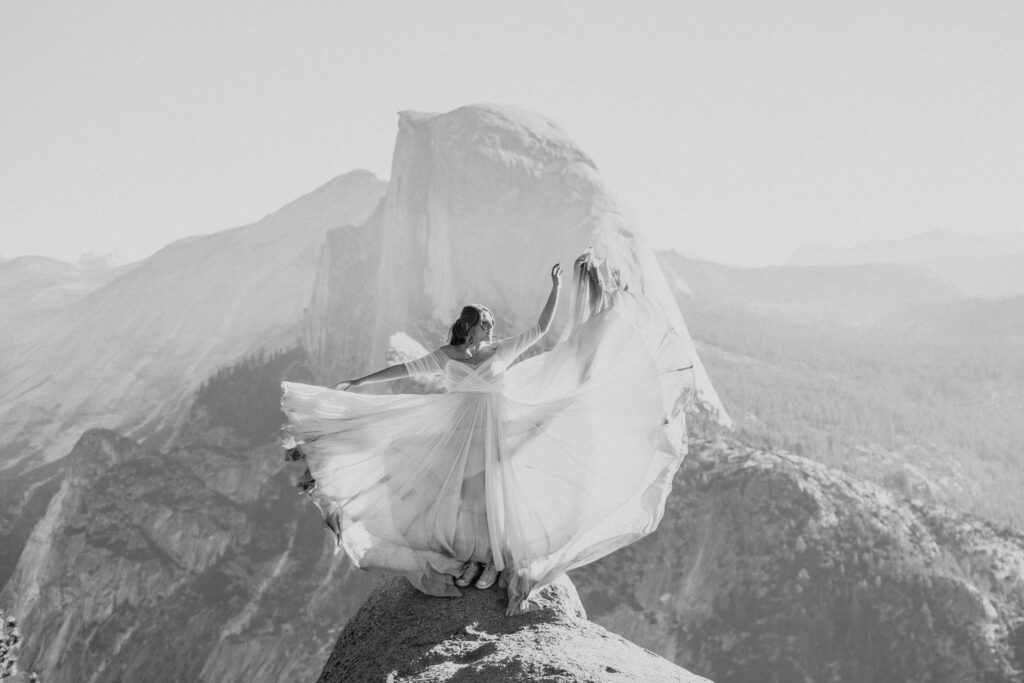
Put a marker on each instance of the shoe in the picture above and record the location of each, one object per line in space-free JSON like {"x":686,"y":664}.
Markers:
{"x":469,"y":573}
{"x":487,"y":578}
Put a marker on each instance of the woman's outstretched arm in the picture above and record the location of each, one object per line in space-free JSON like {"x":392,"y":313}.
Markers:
{"x":392,"y":372}
{"x":549,"y":308}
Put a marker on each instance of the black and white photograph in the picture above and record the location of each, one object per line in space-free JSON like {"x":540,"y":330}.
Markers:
{"x":482,"y":341}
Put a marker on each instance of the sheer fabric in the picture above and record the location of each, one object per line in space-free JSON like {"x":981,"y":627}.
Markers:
{"x":539,"y":467}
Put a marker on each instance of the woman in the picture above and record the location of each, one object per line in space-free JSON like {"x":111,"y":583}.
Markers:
{"x":528,"y":470}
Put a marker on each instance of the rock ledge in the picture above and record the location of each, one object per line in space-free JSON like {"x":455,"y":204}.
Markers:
{"x":400,"y":634}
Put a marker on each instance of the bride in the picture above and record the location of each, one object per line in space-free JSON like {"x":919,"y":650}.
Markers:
{"x":519,"y":472}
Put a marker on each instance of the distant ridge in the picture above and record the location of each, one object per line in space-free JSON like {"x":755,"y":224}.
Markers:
{"x":858,"y":294}
{"x":979,"y":266}
{"x":128,"y":354}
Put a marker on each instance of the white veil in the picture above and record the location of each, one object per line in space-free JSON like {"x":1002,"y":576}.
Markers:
{"x":598,"y":434}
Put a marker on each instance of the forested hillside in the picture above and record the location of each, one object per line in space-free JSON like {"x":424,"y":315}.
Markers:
{"x":927,"y":400}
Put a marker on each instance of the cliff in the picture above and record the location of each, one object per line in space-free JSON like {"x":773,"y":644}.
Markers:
{"x":769,"y":566}
{"x":766,"y":566}
{"x":402,"y":635}
{"x":482,"y":201}
{"x":197,"y":564}
{"x":129,"y":354}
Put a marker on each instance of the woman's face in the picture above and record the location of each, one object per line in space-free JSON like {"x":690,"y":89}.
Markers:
{"x":483,"y":331}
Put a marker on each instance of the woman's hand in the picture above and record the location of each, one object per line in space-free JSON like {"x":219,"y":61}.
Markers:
{"x":544,"y":322}
{"x":346,"y":384}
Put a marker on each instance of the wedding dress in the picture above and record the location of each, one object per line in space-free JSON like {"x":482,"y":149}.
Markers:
{"x":539,"y":466}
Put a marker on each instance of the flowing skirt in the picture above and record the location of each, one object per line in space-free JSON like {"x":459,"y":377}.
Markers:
{"x":573,"y":458}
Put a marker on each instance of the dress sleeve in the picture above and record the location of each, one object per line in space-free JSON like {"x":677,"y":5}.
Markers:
{"x":426,"y":367}
{"x":513,"y":347}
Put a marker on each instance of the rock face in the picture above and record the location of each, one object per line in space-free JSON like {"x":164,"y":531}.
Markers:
{"x":126,"y":348}
{"x":129,"y":354}
{"x":402,"y":635}
{"x":135,"y":539}
{"x":483,"y":200}
{"x":198,"y":564}
{"x":769,"y":566}
{"x":766,"y":566}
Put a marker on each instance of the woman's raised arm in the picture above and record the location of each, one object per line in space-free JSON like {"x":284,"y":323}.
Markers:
{"x":549,"y":308}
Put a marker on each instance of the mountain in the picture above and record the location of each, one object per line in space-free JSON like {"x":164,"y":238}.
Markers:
{"x":176,"y":549}
{"x":35,"y":291}
{"x":769,"y":566}
{"x":129,"y":354}
{"x":403,"y":635}
{"x":766,"y":566}
{"x":199,"y":563}
{"x":871,"y":369}
{"x":483,"y":200}
{"x":858,"y":294}
{"x":185,"y":511}
{"x":37,"y":284}
{"x":980,"y":266}
{"x":927,"y":246}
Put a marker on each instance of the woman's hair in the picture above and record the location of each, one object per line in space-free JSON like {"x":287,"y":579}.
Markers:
{"x":470,"y":316}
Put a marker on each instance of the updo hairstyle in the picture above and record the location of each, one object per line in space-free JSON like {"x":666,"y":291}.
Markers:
{"x":470,"y":316}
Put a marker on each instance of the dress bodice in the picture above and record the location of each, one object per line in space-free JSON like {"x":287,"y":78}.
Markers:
{"x":486,"y":377}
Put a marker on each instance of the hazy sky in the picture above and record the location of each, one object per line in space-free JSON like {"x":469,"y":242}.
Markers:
{"x":734,"y":131}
